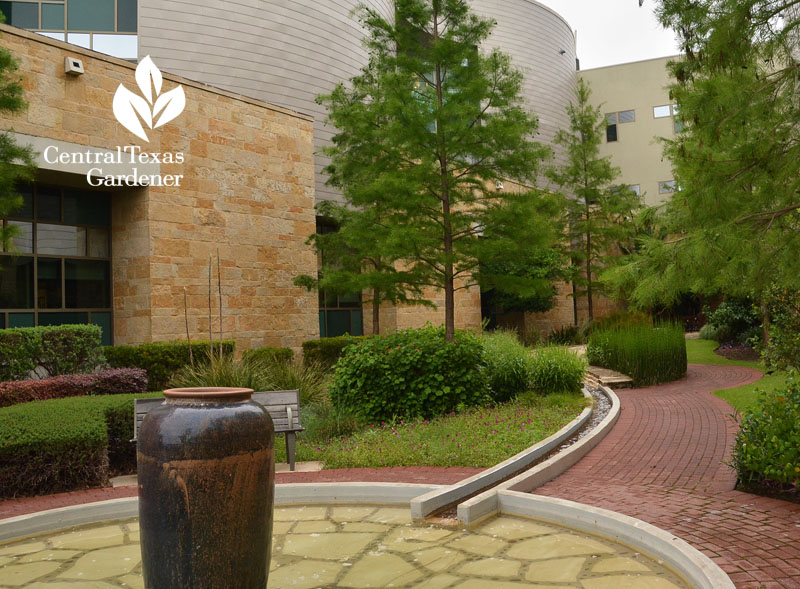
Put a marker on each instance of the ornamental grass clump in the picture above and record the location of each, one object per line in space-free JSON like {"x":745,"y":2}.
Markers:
{"x":508,"y":364}
{"x":766,"y":455}
{"x":649,"y":355}
{"x":555,"y":369}
{"x":409,"y":374}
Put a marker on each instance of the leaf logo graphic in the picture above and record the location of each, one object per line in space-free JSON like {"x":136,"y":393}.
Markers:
{"x":155,"y":109}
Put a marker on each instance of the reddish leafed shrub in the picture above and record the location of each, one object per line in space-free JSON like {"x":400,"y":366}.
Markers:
{"x":108,"y":382}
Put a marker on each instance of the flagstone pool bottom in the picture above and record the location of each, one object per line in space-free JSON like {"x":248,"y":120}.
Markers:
{"x":357,"y":546}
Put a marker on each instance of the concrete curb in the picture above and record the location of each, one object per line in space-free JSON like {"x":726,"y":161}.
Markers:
{"x":426,"y":504}
{"x":289,"y":494}
{"x":481,"y":506}
{"x":691,"y":564}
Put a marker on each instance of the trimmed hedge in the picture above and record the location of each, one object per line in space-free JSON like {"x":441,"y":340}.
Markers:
{"x":65,"y":444}
{"x":766,"y":455}
{"x":649,"y":355}
{"x":114,"y":381}
{"x":59,"y":349}
{"x":161,"y":360}
{"x":269,"y":355}
{"x":411,"y":373}
{"x":327,"y":351}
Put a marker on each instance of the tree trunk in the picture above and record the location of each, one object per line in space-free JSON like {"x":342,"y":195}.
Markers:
{"x":589,"y":275}
{"x":764,"y":308}
{"x":376,"y":312}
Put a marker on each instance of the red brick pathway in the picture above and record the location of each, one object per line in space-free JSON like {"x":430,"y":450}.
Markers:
{"x":422,"y":475}
{"x":664,"y":463}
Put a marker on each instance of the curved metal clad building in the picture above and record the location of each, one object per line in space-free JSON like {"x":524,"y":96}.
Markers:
{"x":286,"y":52}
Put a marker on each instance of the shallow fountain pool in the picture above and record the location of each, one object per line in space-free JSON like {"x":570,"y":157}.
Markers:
{"x":358,"y":546}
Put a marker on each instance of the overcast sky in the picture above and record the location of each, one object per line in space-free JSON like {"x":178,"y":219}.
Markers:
{"x":615,"y":31}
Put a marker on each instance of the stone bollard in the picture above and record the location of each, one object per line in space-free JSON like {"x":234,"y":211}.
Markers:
{"x":206,"y":468}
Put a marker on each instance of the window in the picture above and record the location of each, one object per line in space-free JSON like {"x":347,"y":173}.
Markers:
{"x":617,"y":118}
{"x":58,"y":268}
{"x":94,"y":24}
{"x":636,"y":189}
{"x":677,"y":125}
{"x":666,"y":187}
{"x":340,"y":314}
{"x":660,"y":112}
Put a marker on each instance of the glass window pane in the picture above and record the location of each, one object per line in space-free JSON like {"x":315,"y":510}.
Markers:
{"x":82,"y":208}
{"x":90,"y":15}
{"x":48,"y":203}
{"x":660,"y":112}
{"x":350,"y":301}
{"x":611,"y":118}
{"x":98,"y":243}
{"x":16,"y":283}
{"x":677,"y":125}
{"x":56,"y":36}
{"x":122,"y":46}
{"x":611,"y":133}
{"x":60,"y":240}
{"x":24,"y":15}
{"x":627,"y":116}
{"x":25,"y":211}
{"x":80,"y":39}
{"x":23,"y":240}
{"x":21,"y":320}
{"x":62,"y":318}
{"x":322,"y":324}
{"x":48,"y":292}
{"x":666,"y":187}
{"x":53,"y":16}
{"x":338,"y":323}
{"x":104,"y":321}
{"x":126,"y":16}
{"x":358,"y":327}
{"x":87,"y":284}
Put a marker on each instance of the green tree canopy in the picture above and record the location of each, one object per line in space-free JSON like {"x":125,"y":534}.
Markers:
{"x":428,"y":129}
{"x":600,"y":213}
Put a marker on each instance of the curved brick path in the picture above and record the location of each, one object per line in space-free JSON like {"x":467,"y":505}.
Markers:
{"x":664,"y":463}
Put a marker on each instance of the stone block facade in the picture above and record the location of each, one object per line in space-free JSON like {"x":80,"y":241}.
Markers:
{"x":247,"y":194}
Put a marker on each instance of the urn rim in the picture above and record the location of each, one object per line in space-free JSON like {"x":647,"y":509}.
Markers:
{"x":226,"y":393}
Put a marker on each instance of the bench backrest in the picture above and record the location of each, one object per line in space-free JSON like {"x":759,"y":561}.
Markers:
{"x":279,"y":404}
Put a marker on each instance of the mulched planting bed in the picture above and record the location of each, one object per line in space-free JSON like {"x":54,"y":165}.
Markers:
{"x":737,"y":352}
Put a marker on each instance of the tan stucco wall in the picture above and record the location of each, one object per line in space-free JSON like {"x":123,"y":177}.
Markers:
{"x":248,"y":191}
{"x":638,"y":86}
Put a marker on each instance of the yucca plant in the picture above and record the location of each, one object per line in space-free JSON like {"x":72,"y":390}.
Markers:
{"x":225,"y":371}
{"x":649,"y":355}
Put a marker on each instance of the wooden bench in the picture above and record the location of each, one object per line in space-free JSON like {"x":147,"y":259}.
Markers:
{"x":283,"y":408}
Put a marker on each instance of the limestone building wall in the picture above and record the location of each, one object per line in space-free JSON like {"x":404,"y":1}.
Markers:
{"x":247,"y":192}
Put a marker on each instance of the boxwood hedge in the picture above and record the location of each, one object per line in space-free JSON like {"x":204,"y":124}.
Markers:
{"x":65,"y":444}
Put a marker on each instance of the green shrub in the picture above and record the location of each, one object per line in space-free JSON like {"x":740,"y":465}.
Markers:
{"x":709,"y":332}
{"x":59,"y":349}
{"x":327,"y":351}
{"x":161,"y":360}
{"x":649,"y":355}
{"x":507,"y":363}
{"x":555,"y":369}
{"x":213,"y":371}
{"x":767,"y":449}
{"x":782,"y":351}
{"x":311,"y":379}
{"x":735,"y":321}
{"x":412,"y":373}
{"x":65,"y":444}
{"x":566,"y":335}
{"x":268,"y":354}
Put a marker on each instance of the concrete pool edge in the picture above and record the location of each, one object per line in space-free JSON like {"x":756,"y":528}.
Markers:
{"x":426,"y":504}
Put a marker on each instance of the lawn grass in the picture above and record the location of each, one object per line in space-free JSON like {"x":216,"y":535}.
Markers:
{"x":478,"y":438}
{"x":740,"y":398}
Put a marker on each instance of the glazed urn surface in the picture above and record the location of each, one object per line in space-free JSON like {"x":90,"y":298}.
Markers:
{"x":206,"y":472}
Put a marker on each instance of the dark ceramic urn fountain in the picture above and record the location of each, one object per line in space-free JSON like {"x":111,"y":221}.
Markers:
{"x":206,"y":485}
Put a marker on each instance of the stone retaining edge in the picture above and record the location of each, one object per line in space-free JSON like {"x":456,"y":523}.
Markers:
{"x":50,"y":520}
{"x":484,"y":505}
{"x":699,"y":570}
{"x":423,"y":506}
